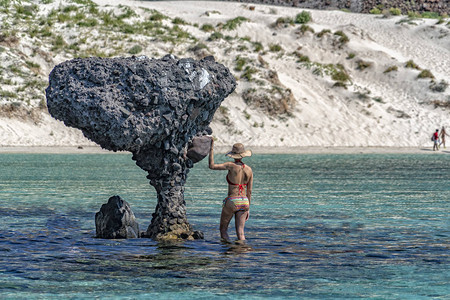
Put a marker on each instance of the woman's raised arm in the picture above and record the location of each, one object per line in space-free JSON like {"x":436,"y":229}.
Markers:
{"x":212,"y":165}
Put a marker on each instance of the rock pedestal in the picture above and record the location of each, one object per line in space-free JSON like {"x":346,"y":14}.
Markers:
{"x":116,"y":220}
{"x":153,"y":108}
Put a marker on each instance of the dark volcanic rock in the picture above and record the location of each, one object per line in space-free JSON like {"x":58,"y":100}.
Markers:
{"x":116,"y":220}
{"x":362,"y":6}
{"x":150,"y":107}
{"x":199,"y":148}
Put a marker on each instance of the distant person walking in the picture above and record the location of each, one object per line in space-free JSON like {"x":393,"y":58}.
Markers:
{"x":435,"y":139}
{"x":442,"y":135}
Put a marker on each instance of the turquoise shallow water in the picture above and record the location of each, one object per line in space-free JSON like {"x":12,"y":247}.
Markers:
{"x":321,"y":227}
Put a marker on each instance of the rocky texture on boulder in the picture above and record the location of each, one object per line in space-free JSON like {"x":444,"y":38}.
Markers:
{"x":116,"y":220}
{"x":199,"y":148}
{"x":362,"y":6}
{"x":150,"y":107}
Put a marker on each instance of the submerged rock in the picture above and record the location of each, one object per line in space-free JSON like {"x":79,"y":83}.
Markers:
{"x":116,"y":220}
{"x":151,"y":107}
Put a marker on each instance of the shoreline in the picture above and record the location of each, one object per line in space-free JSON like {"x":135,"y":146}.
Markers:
{"x":224,"y":149}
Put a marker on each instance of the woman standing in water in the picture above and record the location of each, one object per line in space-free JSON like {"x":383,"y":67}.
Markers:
{"x":240,"y":182}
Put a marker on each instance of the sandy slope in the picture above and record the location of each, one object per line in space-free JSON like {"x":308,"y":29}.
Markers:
{"x":377,"y":110}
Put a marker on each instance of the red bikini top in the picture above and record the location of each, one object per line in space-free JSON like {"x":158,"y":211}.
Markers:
{"x":241,"y":186}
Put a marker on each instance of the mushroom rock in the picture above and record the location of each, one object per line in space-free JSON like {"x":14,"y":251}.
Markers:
{"x":154,"y":108}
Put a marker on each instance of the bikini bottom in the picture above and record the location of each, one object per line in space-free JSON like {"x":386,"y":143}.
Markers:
{"x":241,"y":203}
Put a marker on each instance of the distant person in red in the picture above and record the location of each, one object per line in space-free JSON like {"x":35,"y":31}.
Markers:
{"x":435,"y":139}
{"x":442,"y":135}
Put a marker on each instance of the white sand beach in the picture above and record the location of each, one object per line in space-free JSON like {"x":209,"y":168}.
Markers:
{"x":224,"y":149}
{"x":378,"y":112}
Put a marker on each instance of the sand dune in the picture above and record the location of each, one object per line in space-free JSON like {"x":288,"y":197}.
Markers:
{"x":377,"y":109}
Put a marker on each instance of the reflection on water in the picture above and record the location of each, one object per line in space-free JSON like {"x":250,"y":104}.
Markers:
{"x":321,"y":226}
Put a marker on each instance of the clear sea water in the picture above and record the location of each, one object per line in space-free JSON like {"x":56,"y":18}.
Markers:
{"x":366,"y":226}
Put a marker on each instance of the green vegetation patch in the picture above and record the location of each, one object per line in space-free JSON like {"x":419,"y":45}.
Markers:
{"x":440,"y":21}
{"x":323,"y":32}
{"x":412,"y":65}
{"x":8,"y":94}
{"x":275,"y":48}
{"x":430,"y":15}
{"x":90,"y":22}
{"x":179,"y":21}
{"x":306,"y":28}
{"x":240,"y":63}
{"x":425,"y":74}
{"x":343,"y":38}
{"x":242,"y":48}
{"x":127,"y":12}
{"x":362,"y":65}
{"x":135,"y":49}
{"x":224,"y":116}
{"x":26,"y":11}
{"x":207,"y":27}
{"x":84,"y":2}
{"x":390,"y":69}
{"x":33,"y":65}
{"x":301,"y":58}
{"x":198,"y":47}
{"x":58,"y":42}
{"x":283,"y":22}
{"x":248,"y":73}
{"x":378,"y":99}
{"x":340,"y":84}
{"x":395,"y":11}
{"x":234,"y":23}
{"x":215,"y":36}
{"x":303,"y":17}
{"x":376,"y":11}
{"x":337,"y":72}
{"x":69,"y":8}
{"x":340,"y":75}
{"x":414,"y":15}
{"x":157,"y":16}
{"x":257,"y":47}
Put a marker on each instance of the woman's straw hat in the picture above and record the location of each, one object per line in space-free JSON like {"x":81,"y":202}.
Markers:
{"x":238,"y":151}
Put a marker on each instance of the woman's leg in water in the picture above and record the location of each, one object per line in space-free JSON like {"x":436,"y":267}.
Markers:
{"x":239,"y":219}
{"x":225,"y":218}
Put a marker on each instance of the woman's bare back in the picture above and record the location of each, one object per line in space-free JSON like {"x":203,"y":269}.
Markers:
{"x":239,"y":175}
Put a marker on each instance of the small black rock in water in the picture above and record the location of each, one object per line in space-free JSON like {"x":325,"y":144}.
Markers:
{"x":116,"y":220}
